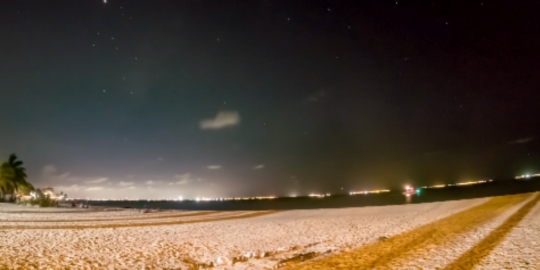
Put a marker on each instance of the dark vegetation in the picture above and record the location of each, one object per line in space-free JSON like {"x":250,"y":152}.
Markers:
{"x":14,"y":186}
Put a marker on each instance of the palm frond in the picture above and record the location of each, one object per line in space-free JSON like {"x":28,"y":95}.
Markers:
{"x":12,"y":158}
{"x":17,"y":163}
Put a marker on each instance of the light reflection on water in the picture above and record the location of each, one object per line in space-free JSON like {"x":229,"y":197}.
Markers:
{"x":408,"y":199}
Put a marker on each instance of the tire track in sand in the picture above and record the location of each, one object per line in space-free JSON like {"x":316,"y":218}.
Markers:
{"x":157,"y":223}
{"x":474,"y":255}
{"x":381,"y":254}
{"x":127,"y":218}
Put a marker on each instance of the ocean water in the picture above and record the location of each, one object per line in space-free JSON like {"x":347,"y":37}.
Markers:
{"x":495,"y":188}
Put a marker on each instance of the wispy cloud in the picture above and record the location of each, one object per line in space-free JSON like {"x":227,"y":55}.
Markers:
{"x":97,"y":181}
{"x":125,"y":184}
{"x":317,"y":96}
{"x":213,"y":167}
{"x":74,"y":187}
{"x":152,"y":182}
{"x":183,"y":182}
{"x":522,"y":140}
{"x":183,"y":179}
{"x":260,"y":166}
{"x":48,"y":169}
{"x":51,"y":175}
{"x":222,"y":119}
{"x":94,"y":188}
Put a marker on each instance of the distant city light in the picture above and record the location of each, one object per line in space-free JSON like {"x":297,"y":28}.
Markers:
{"x":470,"y":183}
{"x":459,"y":184}
{"x":409,"y":191}
{"x":368,"y":191}
{"x":526,"y":176}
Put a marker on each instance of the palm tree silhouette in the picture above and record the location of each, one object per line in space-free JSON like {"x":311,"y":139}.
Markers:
{"x":13,"y":177}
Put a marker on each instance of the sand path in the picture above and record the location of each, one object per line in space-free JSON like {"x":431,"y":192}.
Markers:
{"x":395,"y":252}
{"x":186,"y":219}
{"x":141,"y":217}
{"x":481,"y":250}
{"x":520,"y":249}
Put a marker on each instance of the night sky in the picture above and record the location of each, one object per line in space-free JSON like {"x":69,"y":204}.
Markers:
{"x":160,"y":99}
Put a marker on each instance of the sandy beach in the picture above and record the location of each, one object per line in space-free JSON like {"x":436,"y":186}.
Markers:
{"x":499,"y":231}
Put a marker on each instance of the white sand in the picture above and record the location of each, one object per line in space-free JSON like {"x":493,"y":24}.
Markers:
{"x":521,"y":247}
{"x":217,"y":242}
{"x":458,"y":245}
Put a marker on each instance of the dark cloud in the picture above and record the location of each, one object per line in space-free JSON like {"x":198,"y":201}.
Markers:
{"x":521,"y":141}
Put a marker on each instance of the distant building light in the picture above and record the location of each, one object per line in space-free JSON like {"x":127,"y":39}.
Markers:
{"x":368,"y":191}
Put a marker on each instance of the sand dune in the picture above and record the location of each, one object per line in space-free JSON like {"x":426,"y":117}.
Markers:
{"x":403,"y":236}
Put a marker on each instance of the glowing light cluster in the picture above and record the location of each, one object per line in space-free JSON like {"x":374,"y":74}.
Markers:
{"x":410,"y":191}
{"x":527,"y":176}
{"x":317,"y":195}
{"x":248,"y":198}
{"x":179,"y":199}
{"x":236,"y":198}
{"x":470,"y":183}
{"x":435,"y":186}
{"x":369,"y":191}
{"x":459,"y":184}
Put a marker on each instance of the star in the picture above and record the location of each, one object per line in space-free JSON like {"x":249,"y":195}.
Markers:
{"x":104,"y":1}
{"x":104,"y":91}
